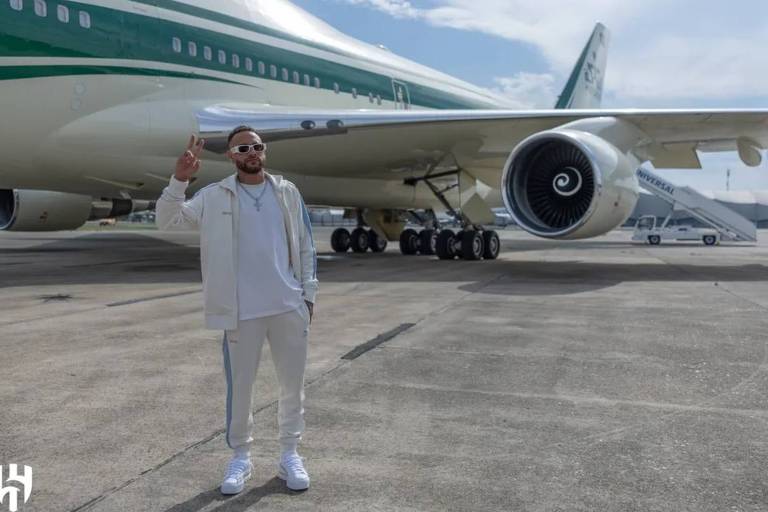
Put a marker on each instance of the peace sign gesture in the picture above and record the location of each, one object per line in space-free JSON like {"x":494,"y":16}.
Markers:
{"x":188,"y":163}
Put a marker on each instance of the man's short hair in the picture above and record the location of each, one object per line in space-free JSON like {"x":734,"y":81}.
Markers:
{"x":241,"y":128}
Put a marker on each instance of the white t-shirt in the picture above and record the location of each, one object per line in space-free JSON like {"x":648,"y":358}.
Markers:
{"x":265,"y":285}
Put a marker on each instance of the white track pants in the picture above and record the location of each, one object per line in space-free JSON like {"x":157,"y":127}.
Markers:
{"x":287,"y":334}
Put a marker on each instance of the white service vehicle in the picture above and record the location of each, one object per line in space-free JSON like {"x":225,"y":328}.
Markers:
{"x":647,"y":231}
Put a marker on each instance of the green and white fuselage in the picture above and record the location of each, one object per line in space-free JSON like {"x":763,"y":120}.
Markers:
{"x":98,"y":97}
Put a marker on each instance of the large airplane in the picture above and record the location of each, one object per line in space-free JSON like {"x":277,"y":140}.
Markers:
{"x":98,"y":98}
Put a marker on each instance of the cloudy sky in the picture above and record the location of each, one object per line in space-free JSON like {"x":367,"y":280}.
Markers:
{"x":682,"y":54}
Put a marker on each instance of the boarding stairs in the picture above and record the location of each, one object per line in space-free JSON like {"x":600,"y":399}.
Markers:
{"x":730,"y":224}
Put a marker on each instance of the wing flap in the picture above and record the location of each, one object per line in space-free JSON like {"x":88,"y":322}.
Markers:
{"x":677,"y":156}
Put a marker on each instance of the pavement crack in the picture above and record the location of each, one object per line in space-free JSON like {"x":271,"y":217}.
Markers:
{"x":375,"y":342}
{"x":153,"y":297}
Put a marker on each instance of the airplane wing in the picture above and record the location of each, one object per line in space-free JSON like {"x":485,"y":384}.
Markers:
{"x":560,"y":173}
{"x":386,"y":144}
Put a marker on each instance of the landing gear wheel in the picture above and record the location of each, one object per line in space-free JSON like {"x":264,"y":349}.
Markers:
{"x":654,"y":239}
{"x":377,"y":243}
{"x":492,"y":245}
{"x":427,"y":241}
{"x":709,"y":239}
{"x":359,"y":240}
{"x":340,"y":240}
{"x":409,"y":242}
{"x":445,"y":245}
{"x":472,"y":245}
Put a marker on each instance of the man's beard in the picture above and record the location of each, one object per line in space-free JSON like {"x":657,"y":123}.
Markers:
{"x":243,"y":166}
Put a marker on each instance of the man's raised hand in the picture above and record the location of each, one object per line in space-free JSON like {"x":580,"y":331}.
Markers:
{"x":189,"y":163}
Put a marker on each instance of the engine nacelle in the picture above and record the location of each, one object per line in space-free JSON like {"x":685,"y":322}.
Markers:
{"x":42,"y":210}
{"x":569,"y":184}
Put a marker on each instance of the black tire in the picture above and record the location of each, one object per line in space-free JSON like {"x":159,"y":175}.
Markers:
{"x":444,"y":245}
{"x":340,"y":240}
{"x":359,"y":240}
{"x":377,"y":243}
{"x":491,"y":245}
{"x":654,"y":239}
{"x":427,"y":242}
{"x":472,"y":246}
{"x":409,"y":242}
{"x":709,"y":239}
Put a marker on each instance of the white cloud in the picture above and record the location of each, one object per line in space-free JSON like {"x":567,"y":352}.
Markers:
{"x":527,"y":90}
{"x":396,"y":8}
{"x":662,"y":53}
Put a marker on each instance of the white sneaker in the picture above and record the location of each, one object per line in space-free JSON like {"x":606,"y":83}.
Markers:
{"x":238,"y":471}
{"x":293,"y":472}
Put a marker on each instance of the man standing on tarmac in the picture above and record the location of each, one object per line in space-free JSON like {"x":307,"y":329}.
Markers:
{"x":259,"y":272}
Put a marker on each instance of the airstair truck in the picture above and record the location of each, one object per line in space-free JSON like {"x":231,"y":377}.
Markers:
{"x":646,"y":230}
{"x":724,"y":223}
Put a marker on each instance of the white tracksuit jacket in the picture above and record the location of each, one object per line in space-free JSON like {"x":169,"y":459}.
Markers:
{"x":214,"y":210}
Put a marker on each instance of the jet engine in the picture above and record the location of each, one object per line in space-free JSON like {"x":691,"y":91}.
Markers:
{"x":569,"y":184}
{"x":44,"y":210}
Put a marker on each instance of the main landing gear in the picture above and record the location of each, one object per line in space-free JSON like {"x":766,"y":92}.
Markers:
{"x":472,"y":242}
{"x":360,"y":240}
{"x":415,"y":242}
{"x":468,"y":244}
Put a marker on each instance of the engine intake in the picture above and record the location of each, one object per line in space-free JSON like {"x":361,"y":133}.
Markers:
{"x":569,"y":184}
{"x":42,"y":210}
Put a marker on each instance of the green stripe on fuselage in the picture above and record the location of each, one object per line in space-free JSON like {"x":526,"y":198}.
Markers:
{"x":121,"y":35}
{"x":21,"y":72}
{"x":207,"y":14}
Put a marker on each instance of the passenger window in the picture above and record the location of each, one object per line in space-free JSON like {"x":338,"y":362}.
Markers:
{"x":285,"y":74}
{"x":336,"y":88}
{"x":236,"y":60}
{"x":207,"y":53}
{"x":17,"y":5}
{"x":248,"y":64}
{"x":85,"y":19}
{"x":273,"y":71}
{"x":177,"y":45}
{"x":262,"y":68}
{"x":222,"y":57}
{"x":192,"y":48}
{"x":295,"y":77}
{"x":307,"y":80}
{"x":317,"y":83}
{"x":41,"y":8}
{"x":62,"y":13}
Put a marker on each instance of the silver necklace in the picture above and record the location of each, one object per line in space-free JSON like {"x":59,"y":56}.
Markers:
{"x":256,"y":200}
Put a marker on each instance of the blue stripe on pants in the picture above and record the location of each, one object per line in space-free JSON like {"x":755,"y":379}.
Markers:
{"x":228,"y":373}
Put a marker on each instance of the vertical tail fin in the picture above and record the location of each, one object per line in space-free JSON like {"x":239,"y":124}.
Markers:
{"x":584,"y":88}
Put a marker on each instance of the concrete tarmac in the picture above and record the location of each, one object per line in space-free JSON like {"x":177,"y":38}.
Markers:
{"x":566,"y":376}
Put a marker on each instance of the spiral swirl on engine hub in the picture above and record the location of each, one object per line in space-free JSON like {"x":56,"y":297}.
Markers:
{"x":568,"y":182}
{"x":560,"y":185}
